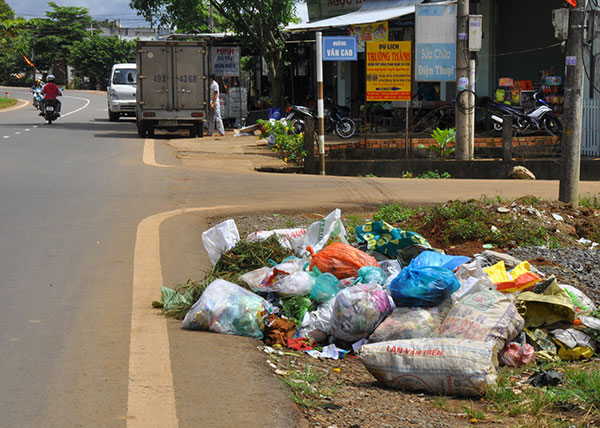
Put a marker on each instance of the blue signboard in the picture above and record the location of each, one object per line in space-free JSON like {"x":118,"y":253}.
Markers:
{"x":435,"y":46}
{"x":339,"y":48}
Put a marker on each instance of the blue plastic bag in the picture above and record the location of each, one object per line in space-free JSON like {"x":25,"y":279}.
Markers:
{"x":422,"y":287}
{"x":433,"y":258}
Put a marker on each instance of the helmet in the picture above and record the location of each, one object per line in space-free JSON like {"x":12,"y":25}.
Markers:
{"x":50,"y":78}
{"x":38,"y":80}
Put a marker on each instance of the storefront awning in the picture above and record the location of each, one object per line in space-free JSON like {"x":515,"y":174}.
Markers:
{"x":371,"y":11}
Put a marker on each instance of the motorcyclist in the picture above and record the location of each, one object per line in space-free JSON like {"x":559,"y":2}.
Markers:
{"x":50,"y":91}
{"x":36,"y":87}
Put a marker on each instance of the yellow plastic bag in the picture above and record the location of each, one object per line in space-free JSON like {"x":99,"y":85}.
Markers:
{"x":518,"y":279}
{"x":554,"y":305}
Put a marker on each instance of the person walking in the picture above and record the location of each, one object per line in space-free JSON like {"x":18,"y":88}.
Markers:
{"x":214,"y":112}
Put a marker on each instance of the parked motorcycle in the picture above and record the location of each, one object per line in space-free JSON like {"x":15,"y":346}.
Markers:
{"x":37,"y":97}
{"x":336,"y":119}
{"x":539,"y":117}
{"x":50,"y":110}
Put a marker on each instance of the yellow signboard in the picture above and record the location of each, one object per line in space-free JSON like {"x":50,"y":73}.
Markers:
{"x":377,"y":32}
{"x":389,"y":68}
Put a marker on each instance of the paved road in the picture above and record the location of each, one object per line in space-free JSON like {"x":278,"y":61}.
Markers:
{"x":93,"y":220}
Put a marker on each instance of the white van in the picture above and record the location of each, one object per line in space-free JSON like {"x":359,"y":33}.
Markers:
{"x":121,"y":91}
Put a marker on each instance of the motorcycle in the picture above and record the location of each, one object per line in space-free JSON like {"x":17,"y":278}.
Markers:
{"x":50,"y":110}
{"x":37,"y":97}
{"x":336,"y":119}
{"x":539,"y":117}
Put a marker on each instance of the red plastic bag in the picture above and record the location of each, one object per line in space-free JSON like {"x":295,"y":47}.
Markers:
{"x":517,"y":355}
{"x":341,"y":260}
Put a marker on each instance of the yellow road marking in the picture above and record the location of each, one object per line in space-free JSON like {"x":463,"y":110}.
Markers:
{"x":149,"y":157}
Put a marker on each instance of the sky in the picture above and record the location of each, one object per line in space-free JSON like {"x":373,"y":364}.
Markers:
{"x":98,"y":9}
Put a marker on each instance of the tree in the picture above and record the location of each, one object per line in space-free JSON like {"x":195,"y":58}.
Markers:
{"x":5,"y":11}
{"x":14,"y":43}
{"x":54,"y":36}
{"x":94,"y":56}
{"x":259,"y":23}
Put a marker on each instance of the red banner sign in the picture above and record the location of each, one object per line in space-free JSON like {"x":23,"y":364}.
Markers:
{"x":572,"y":2}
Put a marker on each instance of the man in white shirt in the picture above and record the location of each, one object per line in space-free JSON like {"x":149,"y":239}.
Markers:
{"x":214,"y":112}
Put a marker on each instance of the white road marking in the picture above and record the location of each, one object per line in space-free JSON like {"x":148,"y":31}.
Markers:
{"x":17,"y":133}
{"x":87,"y":102}
{"x":151,"y":394}
{"x":148,"y":156}
{"x":6,"y":136}
{"x":27,"y":129}
{"x":35,"y":126}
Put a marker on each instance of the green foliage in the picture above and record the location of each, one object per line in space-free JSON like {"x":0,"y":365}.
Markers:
{"x":442,"y":138}
{"x":53,"y":37}
{"x":94,"y":56}
{"x":434,"y":175}
{"x":308,"y":387}
{"x":284,"y":140}
{"x":14,"y":43}
{"x":295,"y":307}
{"x":406,"y":174}
{"x":591,"y":201}
{"x":395,"y":213}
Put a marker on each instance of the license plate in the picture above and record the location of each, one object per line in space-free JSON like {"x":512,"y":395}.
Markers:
{"x":168,"y":122}
{"x":49,"y":108}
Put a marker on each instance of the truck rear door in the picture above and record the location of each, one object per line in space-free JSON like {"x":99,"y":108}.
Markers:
{"x":155,"y":69}
{"x":190,"y":62}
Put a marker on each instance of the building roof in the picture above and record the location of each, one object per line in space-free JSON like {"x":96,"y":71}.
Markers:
{"x":370,"y":11}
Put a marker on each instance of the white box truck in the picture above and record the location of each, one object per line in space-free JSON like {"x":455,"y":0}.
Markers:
{"x":172,"y":89}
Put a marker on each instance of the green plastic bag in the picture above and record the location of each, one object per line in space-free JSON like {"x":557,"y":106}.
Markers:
{"x":387,"y":239}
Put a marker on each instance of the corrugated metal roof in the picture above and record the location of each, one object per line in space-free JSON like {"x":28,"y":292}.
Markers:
{"x":371,"y":11}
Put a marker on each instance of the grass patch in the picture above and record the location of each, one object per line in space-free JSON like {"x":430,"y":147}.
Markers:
{"x":592,"y":201}
{"x":7,"y":102}
{"x":395,"y":213}
{"x":434,"y":175}
{"x":307,"y":389}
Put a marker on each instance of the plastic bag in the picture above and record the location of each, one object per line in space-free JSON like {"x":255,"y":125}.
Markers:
{"x":219,"y":239}
{"x":317,"y":324}
{"x":487,"y":316}
{"x":582,"y":302}
{"x":573,"y":344}
{"x":287,"y":279}
{"x":518,"y":279}
{"x":408,"y":323}
{"x":358,"y":310}
{"x":472,"y":279}
{"x":255,"y":277}
{"x":554,"y":305}
{"x":435,"y":365}
{"x":423,"y":287}
{"x":518,"y":353}
{"x":545,"y":349}
{"x":387,"y":239}
{"x":288,"y":238}
{"x":325,"y":287}
{"x":434,"y":258}
{"x":227,"y":308}
{"x":173,"y":300}
{"x":342,"y":260}
{"x":368,"y":274}
{"x":324,"y":232}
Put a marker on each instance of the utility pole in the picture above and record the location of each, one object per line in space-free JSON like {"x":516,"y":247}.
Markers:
{"x":320,"y":103}
{"x":463,"y":128}
{"x":573,"y":106}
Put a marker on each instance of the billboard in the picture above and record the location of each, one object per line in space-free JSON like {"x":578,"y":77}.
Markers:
{"x":435,"y":40}
{"x":225,"y":60}
{"x":389,"y":69}
{"x":339,"y":48}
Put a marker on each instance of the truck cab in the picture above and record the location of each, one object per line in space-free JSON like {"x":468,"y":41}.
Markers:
{"x":121,"y":91}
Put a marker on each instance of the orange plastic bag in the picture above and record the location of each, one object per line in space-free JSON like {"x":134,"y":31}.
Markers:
{"x":341,"y":260}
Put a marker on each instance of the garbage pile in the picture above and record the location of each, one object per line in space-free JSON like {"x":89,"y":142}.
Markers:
{"x":419,"y":319}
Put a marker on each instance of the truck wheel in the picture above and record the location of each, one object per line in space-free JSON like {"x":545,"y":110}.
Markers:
{"x":142,"y":130}
{"x":200,"y":130}
{"x":112,"y":116}
{"x":150,"y":131}
{"x":193,"y":131}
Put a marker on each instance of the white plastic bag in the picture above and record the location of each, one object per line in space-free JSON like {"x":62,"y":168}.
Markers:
{"x":358,"y":310}
{"x":227,"y":308}
{"x":434,"y":365}
{"x":288,"y":238}
{"x":323,"y":232}
{"x":287,"y":279}
{"x":255,"y":277}
{"x":408,"y":323}
{"x":317,"y":324}
{"x":472,"y":279}
{"x":219,"y":239}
